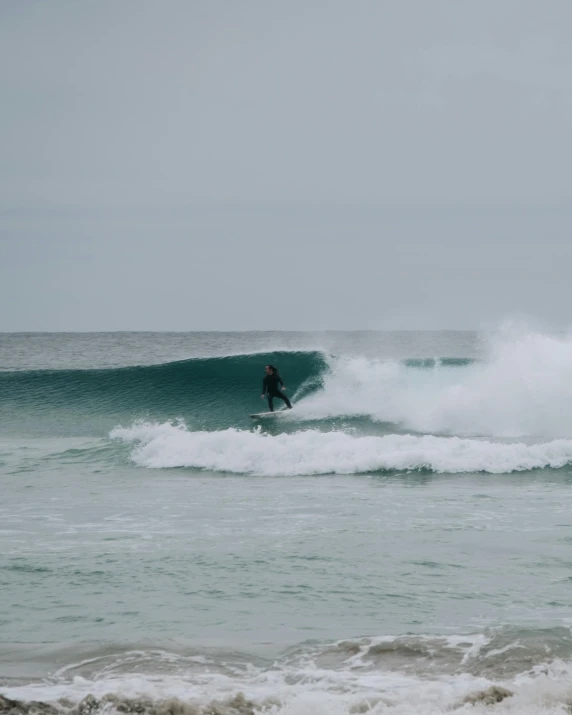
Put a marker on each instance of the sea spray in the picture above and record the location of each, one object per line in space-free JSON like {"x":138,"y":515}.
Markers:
{"x":522,"y":388}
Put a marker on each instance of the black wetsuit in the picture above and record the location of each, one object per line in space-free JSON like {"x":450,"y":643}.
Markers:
{"x":270,"y":389}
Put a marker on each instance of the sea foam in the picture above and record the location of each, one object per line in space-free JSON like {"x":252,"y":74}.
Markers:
{"x":313,"y":452}
{"x":304,"y":685}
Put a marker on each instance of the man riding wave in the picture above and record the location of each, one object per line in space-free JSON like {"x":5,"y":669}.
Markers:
{"x":270,"y":388}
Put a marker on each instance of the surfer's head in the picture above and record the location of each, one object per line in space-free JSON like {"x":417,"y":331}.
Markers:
{"x":270,"y":369}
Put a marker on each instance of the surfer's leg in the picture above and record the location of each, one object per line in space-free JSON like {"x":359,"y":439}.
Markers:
{"x":270,"y":403}
{"x":282,"y":396}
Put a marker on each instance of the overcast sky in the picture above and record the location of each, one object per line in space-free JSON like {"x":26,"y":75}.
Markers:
{"x":255,"y":164}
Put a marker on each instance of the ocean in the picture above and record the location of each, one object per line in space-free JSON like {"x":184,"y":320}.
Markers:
{"x":399,"y":542}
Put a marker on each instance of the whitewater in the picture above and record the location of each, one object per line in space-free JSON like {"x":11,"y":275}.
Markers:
{"x":315,"y":452}
{"x":399,"y":542}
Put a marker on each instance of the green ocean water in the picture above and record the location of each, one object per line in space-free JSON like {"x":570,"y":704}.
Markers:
{"x":399,"y":541}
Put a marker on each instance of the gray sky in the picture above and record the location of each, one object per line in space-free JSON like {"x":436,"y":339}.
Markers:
{"x":261,"y":164}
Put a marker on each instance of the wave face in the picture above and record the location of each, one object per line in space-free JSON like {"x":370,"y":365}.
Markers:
{"x":208,"y":392}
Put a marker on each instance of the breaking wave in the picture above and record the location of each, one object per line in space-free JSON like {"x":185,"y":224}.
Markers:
{"x":419,"y":675}
{"x":521,"y":389}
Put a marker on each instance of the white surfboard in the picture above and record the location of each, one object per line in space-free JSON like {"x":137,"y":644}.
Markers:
{"x":262,"y":415}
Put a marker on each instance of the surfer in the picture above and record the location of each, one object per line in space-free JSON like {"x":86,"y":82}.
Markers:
{"x":270,"y":387}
